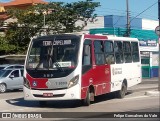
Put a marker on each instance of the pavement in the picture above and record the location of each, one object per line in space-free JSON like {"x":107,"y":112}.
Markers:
{"x":148,"y":87}
{"x":153,"y":92}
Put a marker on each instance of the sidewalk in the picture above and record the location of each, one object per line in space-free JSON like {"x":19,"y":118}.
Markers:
{"x":151,"y":79}
{"x":147,"y":80}
{"x":147,"y":87}
{"x":154,"y":92}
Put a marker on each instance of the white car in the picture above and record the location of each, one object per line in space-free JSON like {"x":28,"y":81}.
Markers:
{"x":11,"y":79}
{"x":11,"y":66}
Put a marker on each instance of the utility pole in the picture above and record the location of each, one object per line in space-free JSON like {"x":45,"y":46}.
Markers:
{"x":128,"y":20}
{"x":159,"y":43}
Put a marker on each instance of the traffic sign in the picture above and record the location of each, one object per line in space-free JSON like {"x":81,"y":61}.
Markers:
{"x":157,"y":30}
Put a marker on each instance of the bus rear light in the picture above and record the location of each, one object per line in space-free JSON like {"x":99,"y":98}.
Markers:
{"x":73,"y":81}
{"x":26,"y":83}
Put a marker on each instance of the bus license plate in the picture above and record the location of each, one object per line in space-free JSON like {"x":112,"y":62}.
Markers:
{"x":47,"y":94}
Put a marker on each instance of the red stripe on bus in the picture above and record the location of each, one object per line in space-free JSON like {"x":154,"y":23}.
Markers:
{"x":40,"y":82}
{"x":95,"y":36}
{"x":98,"y":77}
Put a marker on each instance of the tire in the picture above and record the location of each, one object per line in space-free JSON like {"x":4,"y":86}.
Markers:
{"x":3,"y":88}
{"x":87,"y":100}
{"x":121,"y":93}
{"x":42,"y":103}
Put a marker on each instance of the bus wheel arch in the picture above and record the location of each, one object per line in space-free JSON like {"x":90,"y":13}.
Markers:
{"x":90,"y":93}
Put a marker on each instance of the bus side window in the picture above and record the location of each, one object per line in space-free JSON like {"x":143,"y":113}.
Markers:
{"x":87,"y":55}
{"x":135,"y":51}
{"x":87,"y":58}
{"x":99,"y":52}
{"x":109,"y":52}
{"x":127,"y":52}
{"x":118,"y":51}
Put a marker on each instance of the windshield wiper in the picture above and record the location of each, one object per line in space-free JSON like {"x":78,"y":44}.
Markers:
{"x":50,"y":56}
{"x":58,"y":66}
{"x":38,"y":65}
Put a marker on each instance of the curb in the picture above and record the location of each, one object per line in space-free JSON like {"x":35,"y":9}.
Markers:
{"x":152,"y":93}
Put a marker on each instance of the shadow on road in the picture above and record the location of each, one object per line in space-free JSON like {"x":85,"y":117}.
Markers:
{"x":59,"y":104}
{"x":14,"y":90}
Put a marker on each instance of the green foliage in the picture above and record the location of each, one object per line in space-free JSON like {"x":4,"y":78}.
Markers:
{"x":5,"y":47}
{"x":52,"y":18}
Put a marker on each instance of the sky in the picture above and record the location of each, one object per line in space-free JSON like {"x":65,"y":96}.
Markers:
{"x":118,"y":7}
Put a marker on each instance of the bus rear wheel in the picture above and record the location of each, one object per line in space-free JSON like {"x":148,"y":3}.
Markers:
{"x":121,"y":93}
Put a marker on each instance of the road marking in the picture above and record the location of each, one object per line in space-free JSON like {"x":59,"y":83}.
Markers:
{"x":128,"y":98}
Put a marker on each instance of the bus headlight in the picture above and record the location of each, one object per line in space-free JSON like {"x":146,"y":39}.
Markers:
{"x":73,"y":81}
{"x":26,"y":83}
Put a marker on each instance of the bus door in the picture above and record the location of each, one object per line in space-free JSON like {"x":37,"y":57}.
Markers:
{"x":101,"y":70}
{"x":95,"y":71}
{"x":87,"y":71}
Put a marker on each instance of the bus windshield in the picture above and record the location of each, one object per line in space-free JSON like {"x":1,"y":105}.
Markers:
{"x":57,"y":53}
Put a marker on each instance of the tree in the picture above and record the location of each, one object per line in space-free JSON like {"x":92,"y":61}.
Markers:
{"x":51,"y":18}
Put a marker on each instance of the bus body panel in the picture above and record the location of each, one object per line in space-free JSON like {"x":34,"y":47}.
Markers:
{"x":58,"y":94}
{"x":131,"y":72}
{"x":99,"y":78}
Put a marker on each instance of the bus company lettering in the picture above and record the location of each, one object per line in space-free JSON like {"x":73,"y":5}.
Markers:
{"x":116,"y":71}
{"x":56,"y":42}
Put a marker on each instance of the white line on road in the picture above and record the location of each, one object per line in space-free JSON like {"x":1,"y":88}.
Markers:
{"x":128,"y":98}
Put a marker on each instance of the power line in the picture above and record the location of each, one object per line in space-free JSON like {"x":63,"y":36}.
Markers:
{"x":118,"y":10}
{"x":143,"y":11}
{"x":117,"y":21}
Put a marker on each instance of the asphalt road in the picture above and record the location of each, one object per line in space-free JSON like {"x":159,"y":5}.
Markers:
{"x":104,"y":106}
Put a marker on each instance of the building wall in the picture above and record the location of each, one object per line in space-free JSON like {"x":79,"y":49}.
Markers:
{"x":149,"y":24}
{"x":121,"y":22}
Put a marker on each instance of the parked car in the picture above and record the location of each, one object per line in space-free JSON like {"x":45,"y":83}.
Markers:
{"x":11,"y":66}
{"x":11,"y":79}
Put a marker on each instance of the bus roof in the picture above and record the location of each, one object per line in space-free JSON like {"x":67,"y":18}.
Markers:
{"x":92,"y":36}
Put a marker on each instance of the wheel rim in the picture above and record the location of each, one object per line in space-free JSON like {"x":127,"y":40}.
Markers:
{"x":2,"y":88}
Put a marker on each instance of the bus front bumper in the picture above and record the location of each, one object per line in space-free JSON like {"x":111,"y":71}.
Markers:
{"x":72,"y":93}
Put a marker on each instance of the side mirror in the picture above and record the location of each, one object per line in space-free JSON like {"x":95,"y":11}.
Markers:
{"x":11,"y":76}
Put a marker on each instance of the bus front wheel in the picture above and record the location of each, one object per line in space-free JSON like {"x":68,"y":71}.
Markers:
{"x":87,"y":100}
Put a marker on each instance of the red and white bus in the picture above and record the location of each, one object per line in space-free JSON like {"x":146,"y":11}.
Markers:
{"x":80,"y":67}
